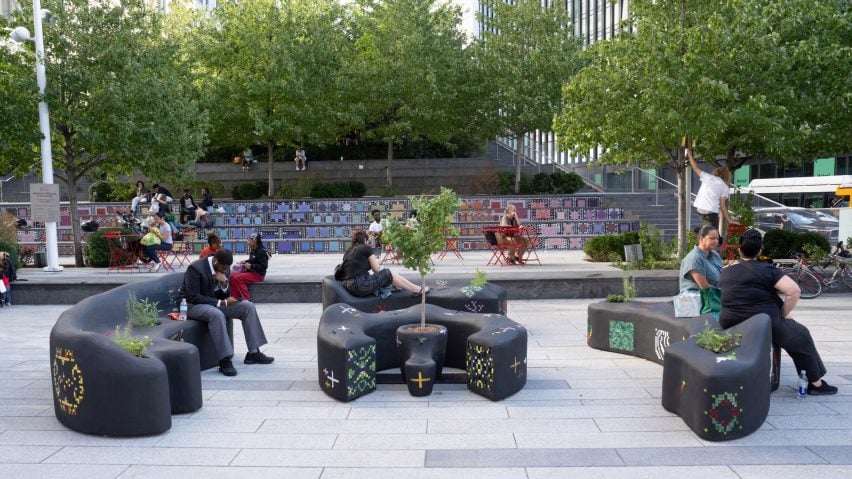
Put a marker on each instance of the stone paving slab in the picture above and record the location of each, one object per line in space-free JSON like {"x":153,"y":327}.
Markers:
{"x":585,"y":414}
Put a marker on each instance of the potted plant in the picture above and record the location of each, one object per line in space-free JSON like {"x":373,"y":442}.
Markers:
{"x":416,"y":245}
{"x":422,"y":347}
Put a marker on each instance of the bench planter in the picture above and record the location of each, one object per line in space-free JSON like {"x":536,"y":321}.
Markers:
{"x":421,"y":355}
{"x":721,"y":396}
{"x":639,"y":329}
{"x":451,"y":294}
{"x":99,"y":388}
{"x":352,"y":346}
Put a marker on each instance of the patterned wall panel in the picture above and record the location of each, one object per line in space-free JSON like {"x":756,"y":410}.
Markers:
{"x":325,"y":226}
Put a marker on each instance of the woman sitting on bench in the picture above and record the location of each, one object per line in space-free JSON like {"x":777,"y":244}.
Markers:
{"x":751,"y":287}
{"x":361,"y":274}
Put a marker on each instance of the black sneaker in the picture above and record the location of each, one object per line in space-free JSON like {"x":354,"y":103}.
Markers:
{"x":258,"y":358}
{"x":227,"y":368}
{"x":824,"y":390}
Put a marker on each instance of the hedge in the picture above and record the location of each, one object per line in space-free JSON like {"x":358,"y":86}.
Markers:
{"x":783,"y":244}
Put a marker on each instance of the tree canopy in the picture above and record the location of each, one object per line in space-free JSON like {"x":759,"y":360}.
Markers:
{"x":525,"y":53}
{"x":117,"y":103}
{"x":268,"y":72}
{"x":413,"y":78}
{"x":740,"y":78}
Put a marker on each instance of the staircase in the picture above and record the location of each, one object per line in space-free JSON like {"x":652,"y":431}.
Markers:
{"x":658,"y":210}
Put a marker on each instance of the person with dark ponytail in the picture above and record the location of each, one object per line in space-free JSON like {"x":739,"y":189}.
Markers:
{"x":750,"y":287}
{"x":362,"y":275}
{"x":250,"y":271}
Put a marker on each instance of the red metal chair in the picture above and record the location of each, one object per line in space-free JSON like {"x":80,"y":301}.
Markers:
{"x":451,"y":245}
{"x":390,"y":255}
{"x":121,"y":256}
{"x":729,"y":249}
{"x":493,"y":236}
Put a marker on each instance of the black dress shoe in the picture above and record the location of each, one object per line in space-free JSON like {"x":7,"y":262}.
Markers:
{"x":824,"y":389}
{"x":227,"y":368}
{"x":258,"y":357}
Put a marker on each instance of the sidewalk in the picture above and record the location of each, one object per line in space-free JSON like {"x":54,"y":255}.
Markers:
{"x":584,"y":413}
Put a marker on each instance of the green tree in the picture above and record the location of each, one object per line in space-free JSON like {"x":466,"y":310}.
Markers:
{"x":525,"y":53}
{"x":413,"y":79}
{"x":418,"y":244}
{"x":117,"y":100}
{"x":732,"y":76}
{"x":270,"y":73}
{"x":19,"y":132}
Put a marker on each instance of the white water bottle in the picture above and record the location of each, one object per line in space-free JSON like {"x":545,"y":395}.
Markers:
{"x":803,"y":385}
{"x":183,"y":308}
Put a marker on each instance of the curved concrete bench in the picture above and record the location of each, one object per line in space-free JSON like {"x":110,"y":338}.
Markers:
{"x":352,"y":346}
{"x":721,"y":396}
{"x":451,"y":294}
{"x":640,"y":329}
{"x":99,"y":388}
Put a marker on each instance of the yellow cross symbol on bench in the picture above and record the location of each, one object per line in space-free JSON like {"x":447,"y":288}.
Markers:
{"x":420,"y":380}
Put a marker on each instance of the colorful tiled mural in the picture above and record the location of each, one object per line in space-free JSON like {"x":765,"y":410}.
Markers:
{"x":325,"y":226}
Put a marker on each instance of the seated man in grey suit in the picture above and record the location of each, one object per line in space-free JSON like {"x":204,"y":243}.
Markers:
{"x":207,"y":293}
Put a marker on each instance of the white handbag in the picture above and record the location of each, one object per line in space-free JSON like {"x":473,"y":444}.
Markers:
{"x":687,"y":304}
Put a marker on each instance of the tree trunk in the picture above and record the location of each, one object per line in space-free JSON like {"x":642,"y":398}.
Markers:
{"x":422,"y":303}
{"x":388,"y":174}
{"x":270,"y":149}
{"x":682,"y":203}
{"x":519,"y":143}
{"x":71,"y":183}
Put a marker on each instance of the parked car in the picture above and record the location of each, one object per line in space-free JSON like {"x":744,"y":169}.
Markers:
{"x":798,"y":220}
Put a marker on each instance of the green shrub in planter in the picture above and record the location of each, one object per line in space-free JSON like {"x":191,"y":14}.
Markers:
{"x":141,"y":312}
{"x":133,"y":345}
{"x":566,"y":183}
{"x":542,"y":183}
{"x":814,"y":239}
{"x":600,"y":248}
{"x":342,"y":189}
{"x":250,"y":190}
{"x":357,"y":189}
{"x":780,"y":244}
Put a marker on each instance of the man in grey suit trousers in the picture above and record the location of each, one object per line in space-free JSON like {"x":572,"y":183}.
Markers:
{"x":207,"y":293}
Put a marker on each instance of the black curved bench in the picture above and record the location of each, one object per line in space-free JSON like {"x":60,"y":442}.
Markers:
{"x":640,"y":329}
{"x":646,"y":330}
{"x":451,"y":294}
{"x":99,"y":388}
{"x":721,"y":396}
{"x":353,"y":345}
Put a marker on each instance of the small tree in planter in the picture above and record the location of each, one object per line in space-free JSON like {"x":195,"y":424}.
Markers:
{"x":416,"y":245}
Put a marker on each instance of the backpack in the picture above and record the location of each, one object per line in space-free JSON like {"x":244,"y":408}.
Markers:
{"x":491,"y":238}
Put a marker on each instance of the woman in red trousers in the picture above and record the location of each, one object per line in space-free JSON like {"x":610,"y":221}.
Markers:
{"x":252,"y":270}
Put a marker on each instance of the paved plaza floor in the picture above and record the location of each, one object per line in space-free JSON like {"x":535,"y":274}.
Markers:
{"x":583,"y":413}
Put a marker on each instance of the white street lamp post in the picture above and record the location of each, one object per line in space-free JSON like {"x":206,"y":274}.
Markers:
{"x":21,"y":34}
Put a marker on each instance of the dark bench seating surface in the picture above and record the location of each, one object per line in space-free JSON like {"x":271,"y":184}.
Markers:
{"x":491,"y":347}
{"x":451,"y":294}
{"x":640,"y":329}
{"x":99,"y":388}
{"x":721,"y":396}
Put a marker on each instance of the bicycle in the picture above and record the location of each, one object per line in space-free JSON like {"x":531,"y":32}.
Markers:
{"x":812,"y":278}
